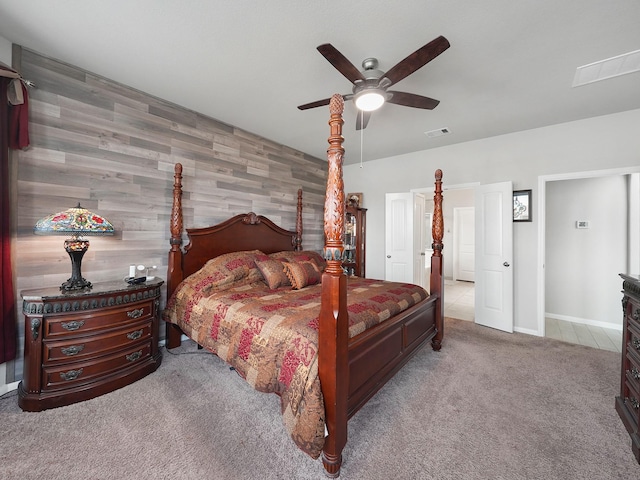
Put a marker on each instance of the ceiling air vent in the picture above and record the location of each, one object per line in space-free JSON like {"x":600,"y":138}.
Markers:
{"x":608,"y":68}
{"x":438,"y":132}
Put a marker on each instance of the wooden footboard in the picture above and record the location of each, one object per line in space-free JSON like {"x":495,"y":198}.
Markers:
{"x":378,"y":353}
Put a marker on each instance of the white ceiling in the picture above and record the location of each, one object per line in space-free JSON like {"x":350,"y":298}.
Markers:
{"x":510,"y":66}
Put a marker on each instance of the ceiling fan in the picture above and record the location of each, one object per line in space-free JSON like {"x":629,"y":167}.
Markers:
{"x":370,"y":86}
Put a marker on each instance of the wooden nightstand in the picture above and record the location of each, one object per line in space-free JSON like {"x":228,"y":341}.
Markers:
{"x":82,"y":344}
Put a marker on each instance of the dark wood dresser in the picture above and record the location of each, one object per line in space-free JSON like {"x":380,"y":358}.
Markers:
{"x":628,"y":403}
{"x":82,"y":344}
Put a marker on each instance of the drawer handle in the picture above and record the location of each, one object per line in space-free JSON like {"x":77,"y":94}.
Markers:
{"x":635,"y":373}
{"x":71,"y":374}
{"x":72,"y":350}
{"x":636,"y":343}
{"x":634,"y":402}
{"x":134,"y":356}
{"x":137,"y":313}
{"x":636,"y":314}
{"x":134,"y":335}
{"x":71,"y":326}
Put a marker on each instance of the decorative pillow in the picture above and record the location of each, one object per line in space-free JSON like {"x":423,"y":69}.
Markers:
{"x":226,"y":270}
{"x":305,"y":255}
{"x":302,"y":274}
{"x":273,"y":272}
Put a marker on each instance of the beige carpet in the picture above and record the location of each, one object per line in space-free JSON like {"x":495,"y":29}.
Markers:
{"x":490,"y":405}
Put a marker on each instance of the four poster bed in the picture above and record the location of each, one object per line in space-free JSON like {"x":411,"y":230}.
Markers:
{"x":324,"y":342}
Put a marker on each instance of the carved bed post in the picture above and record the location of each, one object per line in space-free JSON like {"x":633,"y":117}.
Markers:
{"x":333,"y":330}
{"x":174,"y":268}
{"x":298,"y":241}
{"x":437,"y":280}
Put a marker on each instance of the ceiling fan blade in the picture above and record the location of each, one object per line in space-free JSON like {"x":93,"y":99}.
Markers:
{"x":340,"y":62}
{"x":362,"y":119}
{"x":417,"y":59}
{"x":318,"y":103}
{"x":412,"y":100}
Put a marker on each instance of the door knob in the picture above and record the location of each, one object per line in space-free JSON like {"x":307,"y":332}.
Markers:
{"x":506,"y":264}
{"x":388,"y":256}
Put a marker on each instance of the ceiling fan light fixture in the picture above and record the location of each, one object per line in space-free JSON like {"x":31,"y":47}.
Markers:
{"x":369,"y":100}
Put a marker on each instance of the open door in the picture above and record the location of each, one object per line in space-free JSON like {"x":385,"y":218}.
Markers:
{"x":494,"y":256}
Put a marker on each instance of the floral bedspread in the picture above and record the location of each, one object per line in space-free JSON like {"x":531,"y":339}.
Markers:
{"x":271,"y":336}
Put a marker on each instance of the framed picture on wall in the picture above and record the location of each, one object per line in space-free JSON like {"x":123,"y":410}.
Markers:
{"x":354,"y":199}
{"x":522,"y":206}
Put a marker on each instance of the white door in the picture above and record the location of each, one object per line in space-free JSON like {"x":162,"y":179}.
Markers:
{"x":494,"y":256}
{"x":464,"y":239}
{"x":404,"y":238}
{"x":419,"y":255}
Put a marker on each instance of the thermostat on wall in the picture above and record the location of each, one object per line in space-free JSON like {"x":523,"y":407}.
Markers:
{"x":582,"y":224}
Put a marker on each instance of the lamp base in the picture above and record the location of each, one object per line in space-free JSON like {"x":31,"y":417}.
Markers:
{"x":76,"y":247}
{"x":75,"y":284}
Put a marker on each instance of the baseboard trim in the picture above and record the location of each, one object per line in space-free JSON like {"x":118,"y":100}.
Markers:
{"x":584,"y":321}
{"x":9,"y":387}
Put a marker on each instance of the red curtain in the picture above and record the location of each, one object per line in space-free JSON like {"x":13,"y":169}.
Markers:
{"x":14,"y":133}
{"x":8,"y":339}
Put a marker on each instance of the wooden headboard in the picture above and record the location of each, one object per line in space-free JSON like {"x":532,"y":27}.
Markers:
{"x":246,"y":231}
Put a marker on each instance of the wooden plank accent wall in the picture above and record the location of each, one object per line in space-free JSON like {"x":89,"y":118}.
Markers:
{"x":113,"y":148}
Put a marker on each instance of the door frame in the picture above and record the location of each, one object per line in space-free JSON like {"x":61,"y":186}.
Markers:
{"x":542,"y":191}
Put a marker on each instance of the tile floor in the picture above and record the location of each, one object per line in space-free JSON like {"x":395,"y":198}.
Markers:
{"x":459,"y":299}
{"x":459,"y":303}
{"x":596,"y":337}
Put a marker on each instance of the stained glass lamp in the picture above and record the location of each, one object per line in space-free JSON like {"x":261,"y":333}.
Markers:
{"x":77,"y":222}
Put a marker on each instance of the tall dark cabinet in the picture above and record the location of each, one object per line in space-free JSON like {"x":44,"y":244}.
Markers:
{"x":355,"y":241}
{"x":628,"y":402}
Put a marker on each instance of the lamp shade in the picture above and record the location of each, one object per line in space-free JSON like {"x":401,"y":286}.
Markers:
{"x":76,"y":221}
{"x":369,"y":99}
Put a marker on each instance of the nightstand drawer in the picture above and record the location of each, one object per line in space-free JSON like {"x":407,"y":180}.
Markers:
{"x":72,"y":350}
{"x":89,"y":321}
{"x":78,"y":373}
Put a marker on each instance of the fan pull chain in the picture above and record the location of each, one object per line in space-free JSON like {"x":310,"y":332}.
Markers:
{"x":361,"y":135}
